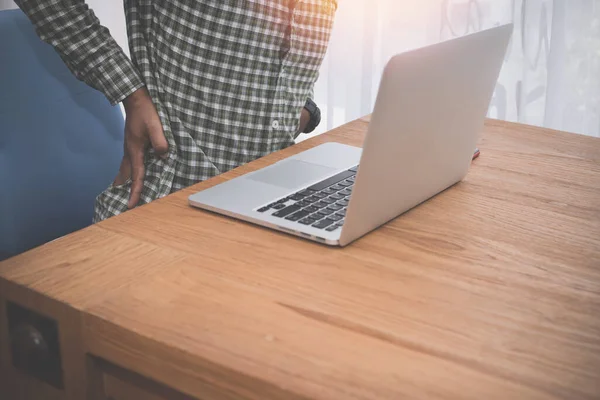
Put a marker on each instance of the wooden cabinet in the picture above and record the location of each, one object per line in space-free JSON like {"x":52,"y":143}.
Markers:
{"x":32,"y":363}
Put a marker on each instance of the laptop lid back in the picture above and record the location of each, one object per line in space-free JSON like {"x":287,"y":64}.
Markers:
{"x":429,"y":111}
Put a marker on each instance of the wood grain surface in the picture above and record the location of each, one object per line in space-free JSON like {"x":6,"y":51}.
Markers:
{"x":489,"y":290}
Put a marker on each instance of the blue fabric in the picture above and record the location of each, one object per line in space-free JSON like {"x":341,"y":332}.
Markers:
{"x":61,"y":141}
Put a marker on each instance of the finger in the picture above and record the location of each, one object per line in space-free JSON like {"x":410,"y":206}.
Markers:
{"x":158,"y":139}
{"x":124,"y":171}
{"x":136,"y":157}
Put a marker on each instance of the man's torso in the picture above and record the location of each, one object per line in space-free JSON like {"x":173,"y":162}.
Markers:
{"x":229,"y":79}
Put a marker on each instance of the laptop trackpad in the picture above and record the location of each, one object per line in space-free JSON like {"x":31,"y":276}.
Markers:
{"x":292,"y":174}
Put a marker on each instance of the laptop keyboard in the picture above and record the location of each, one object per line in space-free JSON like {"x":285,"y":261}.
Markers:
{"x":322,"y":205}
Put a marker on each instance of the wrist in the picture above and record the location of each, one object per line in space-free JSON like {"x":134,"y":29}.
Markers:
{"x":314,"y":116}
{"x":134,"y":99}
{"x":304,"y":119}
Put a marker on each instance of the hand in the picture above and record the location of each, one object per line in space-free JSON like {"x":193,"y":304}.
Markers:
{"x":304,"y":120}
{"x":142,"y":126}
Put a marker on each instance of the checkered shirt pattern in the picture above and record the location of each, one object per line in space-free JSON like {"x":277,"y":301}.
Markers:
{"x":229,"y":78}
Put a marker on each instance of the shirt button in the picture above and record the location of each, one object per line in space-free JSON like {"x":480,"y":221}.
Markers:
{"x":275,"y":124}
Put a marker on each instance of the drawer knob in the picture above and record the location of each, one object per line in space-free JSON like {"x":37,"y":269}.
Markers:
{"x":30,"y":349}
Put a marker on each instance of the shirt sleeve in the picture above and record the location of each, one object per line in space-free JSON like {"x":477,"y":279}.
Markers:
{"x":86,"y":47}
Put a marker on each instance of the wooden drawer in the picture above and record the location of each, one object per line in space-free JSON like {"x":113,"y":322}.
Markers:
{"x":110,"y":382}
{"x":117,"y":389}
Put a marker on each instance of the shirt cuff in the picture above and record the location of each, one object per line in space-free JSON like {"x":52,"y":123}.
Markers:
{"x":116,"y":77}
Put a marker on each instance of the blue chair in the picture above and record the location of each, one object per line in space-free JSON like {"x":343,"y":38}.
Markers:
{"x":61,"y":141}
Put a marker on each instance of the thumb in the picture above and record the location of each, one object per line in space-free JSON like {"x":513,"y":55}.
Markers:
{"x":158,"y":139}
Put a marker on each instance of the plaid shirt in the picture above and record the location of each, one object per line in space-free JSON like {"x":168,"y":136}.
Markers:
{"x":229,"y":78}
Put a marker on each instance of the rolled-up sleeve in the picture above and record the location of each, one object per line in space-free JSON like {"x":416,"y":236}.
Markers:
{"x":86,"y":47}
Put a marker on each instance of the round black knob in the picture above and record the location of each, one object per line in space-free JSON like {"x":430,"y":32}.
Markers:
{"x":29,"y":348}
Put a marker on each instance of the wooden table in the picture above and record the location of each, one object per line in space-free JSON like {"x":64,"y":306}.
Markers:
{"x":491,"y":290}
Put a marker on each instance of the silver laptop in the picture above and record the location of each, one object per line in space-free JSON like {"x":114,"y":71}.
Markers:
{"x":431,"y":106}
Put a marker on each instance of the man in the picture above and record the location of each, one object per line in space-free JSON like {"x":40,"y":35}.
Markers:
{"x":211,"y":84}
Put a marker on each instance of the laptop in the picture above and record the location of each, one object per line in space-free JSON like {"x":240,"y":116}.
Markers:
{"x":430,"y":108}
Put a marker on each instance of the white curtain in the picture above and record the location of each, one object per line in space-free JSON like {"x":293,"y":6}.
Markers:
{"x":7,"y":4}
{"x":551,"y":75}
